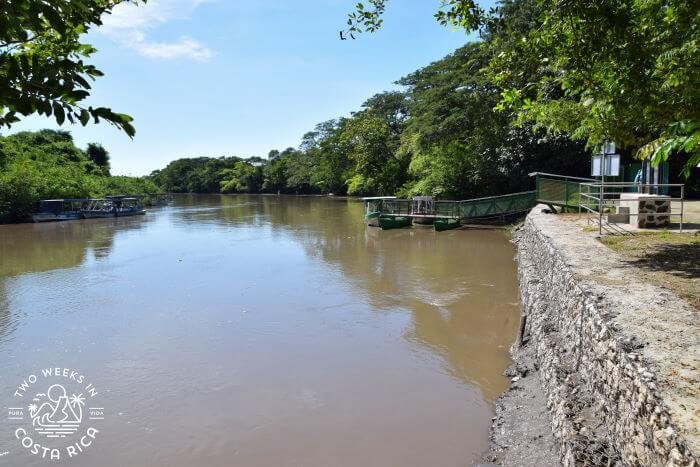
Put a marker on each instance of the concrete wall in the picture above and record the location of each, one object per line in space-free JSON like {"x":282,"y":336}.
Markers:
{"x":604,"y":379}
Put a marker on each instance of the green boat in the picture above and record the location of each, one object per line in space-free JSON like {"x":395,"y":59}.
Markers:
{"x":394,"y":222}
{"x":372,"y":218}
{"x":373,"y":208}
{"x":445,"y":224}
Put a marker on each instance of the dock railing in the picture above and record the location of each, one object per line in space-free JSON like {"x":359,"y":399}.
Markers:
{"x":599,"y":200}
{"x":487,"y":207}
{"x":494,"y":206}
{"x":558,"y":190}
{"x":596,"y":199}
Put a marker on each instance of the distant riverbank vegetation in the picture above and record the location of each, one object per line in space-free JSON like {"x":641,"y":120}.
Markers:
{"x":543,"y":81}
{"x":47,"y":164}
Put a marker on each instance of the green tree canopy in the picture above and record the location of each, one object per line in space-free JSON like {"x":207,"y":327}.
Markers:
{"x":618,"y":70}
{"x":99,"y":155}
{"x":606,"y":70}
{"x":42,"y":61}
{"x":46,"y":164}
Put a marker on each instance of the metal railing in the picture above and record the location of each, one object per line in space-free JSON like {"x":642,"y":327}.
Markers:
{"x":601,"y":199}
{"x":558,"y":190}
{"x":491,"y":206}
{"x":494,"y":206}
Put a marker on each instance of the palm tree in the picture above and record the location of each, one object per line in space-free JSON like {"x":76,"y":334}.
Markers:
{"x":77,"y":402}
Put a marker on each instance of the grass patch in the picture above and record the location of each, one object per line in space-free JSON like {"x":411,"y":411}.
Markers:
{"x":645,"y":240}
{"x":664,"y":258}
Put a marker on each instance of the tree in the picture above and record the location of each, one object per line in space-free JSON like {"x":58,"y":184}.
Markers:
{"x":620,"y":70}
{"x":329,"y":151}
{"x":42,"y":61}
{"x":459,"y":146}
{"x":301,"y":169}
{"x":99,"y":155}
{"x":194,"y":175}
{"x":391,"y":107}
{"x":45,"y":165}
{"x":244,"y":177}
{"x":679,"y":138}
{"x":466,"y":14}
{"x":607,"y":70}
{"x":275,"y":173}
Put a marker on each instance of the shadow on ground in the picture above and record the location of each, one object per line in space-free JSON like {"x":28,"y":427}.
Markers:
{"x":687,"y":226}
{"x":682,"y":260}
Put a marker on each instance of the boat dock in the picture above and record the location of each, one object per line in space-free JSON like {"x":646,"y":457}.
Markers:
{"x":53,"y":210}
{"x":389,"y":212}
{"x":551,"y":189}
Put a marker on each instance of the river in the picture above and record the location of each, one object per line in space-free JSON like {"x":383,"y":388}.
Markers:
{"x":255,"y":331}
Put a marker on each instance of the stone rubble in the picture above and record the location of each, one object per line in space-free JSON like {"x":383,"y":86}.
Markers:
{"x":601,"y":343}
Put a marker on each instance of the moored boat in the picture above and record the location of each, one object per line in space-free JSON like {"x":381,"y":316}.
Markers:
{"x":372,"y":218}
{"x":373,"y":209}
{"x":99,"y":208}
{"x":114,"y":206}
{"x":441,"y":224}
{"x":423,"y":205}
{"x":394,"y":222}
{"x":128,"y":206}
{"x":53,"y":210}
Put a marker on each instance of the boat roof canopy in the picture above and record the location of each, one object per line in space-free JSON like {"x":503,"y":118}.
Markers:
{"x":373,"y":198}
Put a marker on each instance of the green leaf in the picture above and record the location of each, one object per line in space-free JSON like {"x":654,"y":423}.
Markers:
{"x":59,"y":113}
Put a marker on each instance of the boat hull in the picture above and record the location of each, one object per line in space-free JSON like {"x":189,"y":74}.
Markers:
{"x":98,"y":214}
{"x":394,"y":222}
{"x":53,"y":217}
{"x":373,"y":218}
{"x":445,"y":224}
{"x":423,"y":220}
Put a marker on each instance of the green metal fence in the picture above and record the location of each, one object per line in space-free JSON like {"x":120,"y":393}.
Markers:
{"x":552,"y":189}
{"x":493,"y":206}
{"x":396,"y":206}
{"x":563,"y":191}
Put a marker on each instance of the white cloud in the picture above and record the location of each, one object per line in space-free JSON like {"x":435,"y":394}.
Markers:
{"x":129,"y":24}
{"x":185,"y":47}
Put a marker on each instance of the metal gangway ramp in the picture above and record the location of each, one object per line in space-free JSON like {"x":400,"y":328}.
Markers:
{"x":556,"y":191}
{"x":465,"y":210}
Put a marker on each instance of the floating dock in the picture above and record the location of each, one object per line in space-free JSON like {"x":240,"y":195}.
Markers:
{"x":390,"y":212}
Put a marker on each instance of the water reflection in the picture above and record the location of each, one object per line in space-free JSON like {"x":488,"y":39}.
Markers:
{"x":453,"y":283}
{"x":7,"y":323}
{"x":28,"y":248}
{"x":265,"y":330}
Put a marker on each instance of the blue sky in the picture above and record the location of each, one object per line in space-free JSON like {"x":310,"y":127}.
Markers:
{"x":234,"y":77}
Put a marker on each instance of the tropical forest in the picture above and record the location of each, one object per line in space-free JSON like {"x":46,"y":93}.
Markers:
{"x":538,"y":90}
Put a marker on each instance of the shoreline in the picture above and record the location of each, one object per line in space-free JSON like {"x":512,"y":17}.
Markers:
{"x":520,"y":432}
{"x":609,"y":366}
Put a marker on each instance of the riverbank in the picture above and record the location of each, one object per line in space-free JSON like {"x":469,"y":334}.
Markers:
{"x":520,"y":431}
{"x":617,"y":359}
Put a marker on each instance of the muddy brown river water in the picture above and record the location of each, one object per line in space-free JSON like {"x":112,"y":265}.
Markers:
{"x":251,"y":331}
